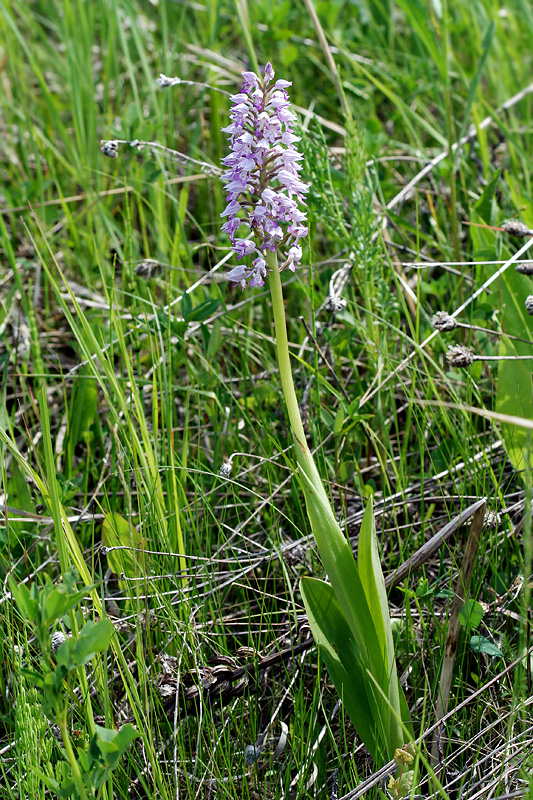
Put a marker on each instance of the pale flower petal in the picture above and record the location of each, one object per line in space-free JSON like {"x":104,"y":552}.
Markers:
{"x":263,"y":188}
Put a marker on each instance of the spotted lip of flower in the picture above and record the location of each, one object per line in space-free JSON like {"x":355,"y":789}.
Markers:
{"x":263,"y":187}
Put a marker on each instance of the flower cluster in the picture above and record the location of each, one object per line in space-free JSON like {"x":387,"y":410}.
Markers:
{"x":262,"y":182}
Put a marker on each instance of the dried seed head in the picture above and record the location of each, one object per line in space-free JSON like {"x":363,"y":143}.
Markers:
{"x":57,"y":640}
{"x":109,"y":148}
{"x":443,"y":321}
{"x":251,"y":753}
{"x":294,"y":554}
{"x":149,"y":268}
{"x":163,"y":81}
{"x":492,"y":521}
{"x":526,"y":268}
{"x":225,"y":469}
{"x":335,"y":303}
{"x":529,"y":304}
{"x":460,"y":356}
{"x":515,"y":228}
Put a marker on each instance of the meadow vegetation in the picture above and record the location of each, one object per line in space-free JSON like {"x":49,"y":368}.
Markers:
{"x":153,"y":532}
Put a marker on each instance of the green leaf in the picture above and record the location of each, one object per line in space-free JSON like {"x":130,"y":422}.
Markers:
{"x":512,"y":290}
{"x":83,"y":759}
{"x":480,"y":644}
{"x":110,"y":745}
{"x":59,"y":601}
{"x":82,"y":412}
{"x":337,"y":645}
{"x":126,"y":735}
{"x":18,"y":493}
{"x":67,"y":786}
{"x":186,"y":305}
{"x":471,"y":614}
{"x":369,"y":564}
{"x":338,"y":422}
{"x":338,"y":559}
{"x":27,"y":605}
{"x":93,"y":638}
{"x":485,"y":207}
{"x":34,"y":678}
{"x":514,"y":397}
{"x":202,"y":311}
{"x":215,"y":340}
{"x":118,"y":532}
{"x":372,"y":576}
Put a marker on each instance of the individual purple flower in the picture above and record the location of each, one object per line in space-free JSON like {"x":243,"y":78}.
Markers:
{"x":263,"y":188}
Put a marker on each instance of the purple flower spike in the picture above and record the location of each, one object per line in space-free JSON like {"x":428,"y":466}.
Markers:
{"x":263,"y":188}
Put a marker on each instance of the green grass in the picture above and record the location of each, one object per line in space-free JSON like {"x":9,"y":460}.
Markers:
{"x":114,"y":403}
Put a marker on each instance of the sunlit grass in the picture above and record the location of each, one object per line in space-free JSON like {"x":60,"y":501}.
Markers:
{"x":164,"y":397}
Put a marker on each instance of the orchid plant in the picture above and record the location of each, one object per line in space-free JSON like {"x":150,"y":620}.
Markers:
{"x":349,"y":616}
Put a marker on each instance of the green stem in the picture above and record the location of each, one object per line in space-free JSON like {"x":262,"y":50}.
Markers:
{"x":303,"y":454}
{"x":69,"y":750}
{"x":282,"y":344}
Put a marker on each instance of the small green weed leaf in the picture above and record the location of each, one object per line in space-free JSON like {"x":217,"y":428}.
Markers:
{"x":126,"y":735}
{"x":109,"y":745}
{"x":106,"y":744}
{"x":444,"y":594}
{"x":346,"y":470}
{"x":480,"y":644}
{"x":27,"y":604}
{"x":338,"y":423}
{"x":423,"y":592}
{"x":202,"y":311}
{"x":353,"y":408}
{"x":118,"y":532}
{"x":93,"y":638}
{"x":471,"y":614}
{"x":58,"y":602}
{"x":67,"y":787}
{"x":82,"y":412}
{"x":215,"y":340}
{"x":19,"y":494}
{"x":83,"y":759}
{"x":186,"y":305}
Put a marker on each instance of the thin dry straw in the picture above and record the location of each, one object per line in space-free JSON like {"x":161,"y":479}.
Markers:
{"x":345,"y":270}
{"x":368,"y":396}
{"x":382,"y":773}
{"x":471,"y":134}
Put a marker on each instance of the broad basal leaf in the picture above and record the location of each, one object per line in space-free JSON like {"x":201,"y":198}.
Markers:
{"x":337,"y":645}
{"x":514,"y":396}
